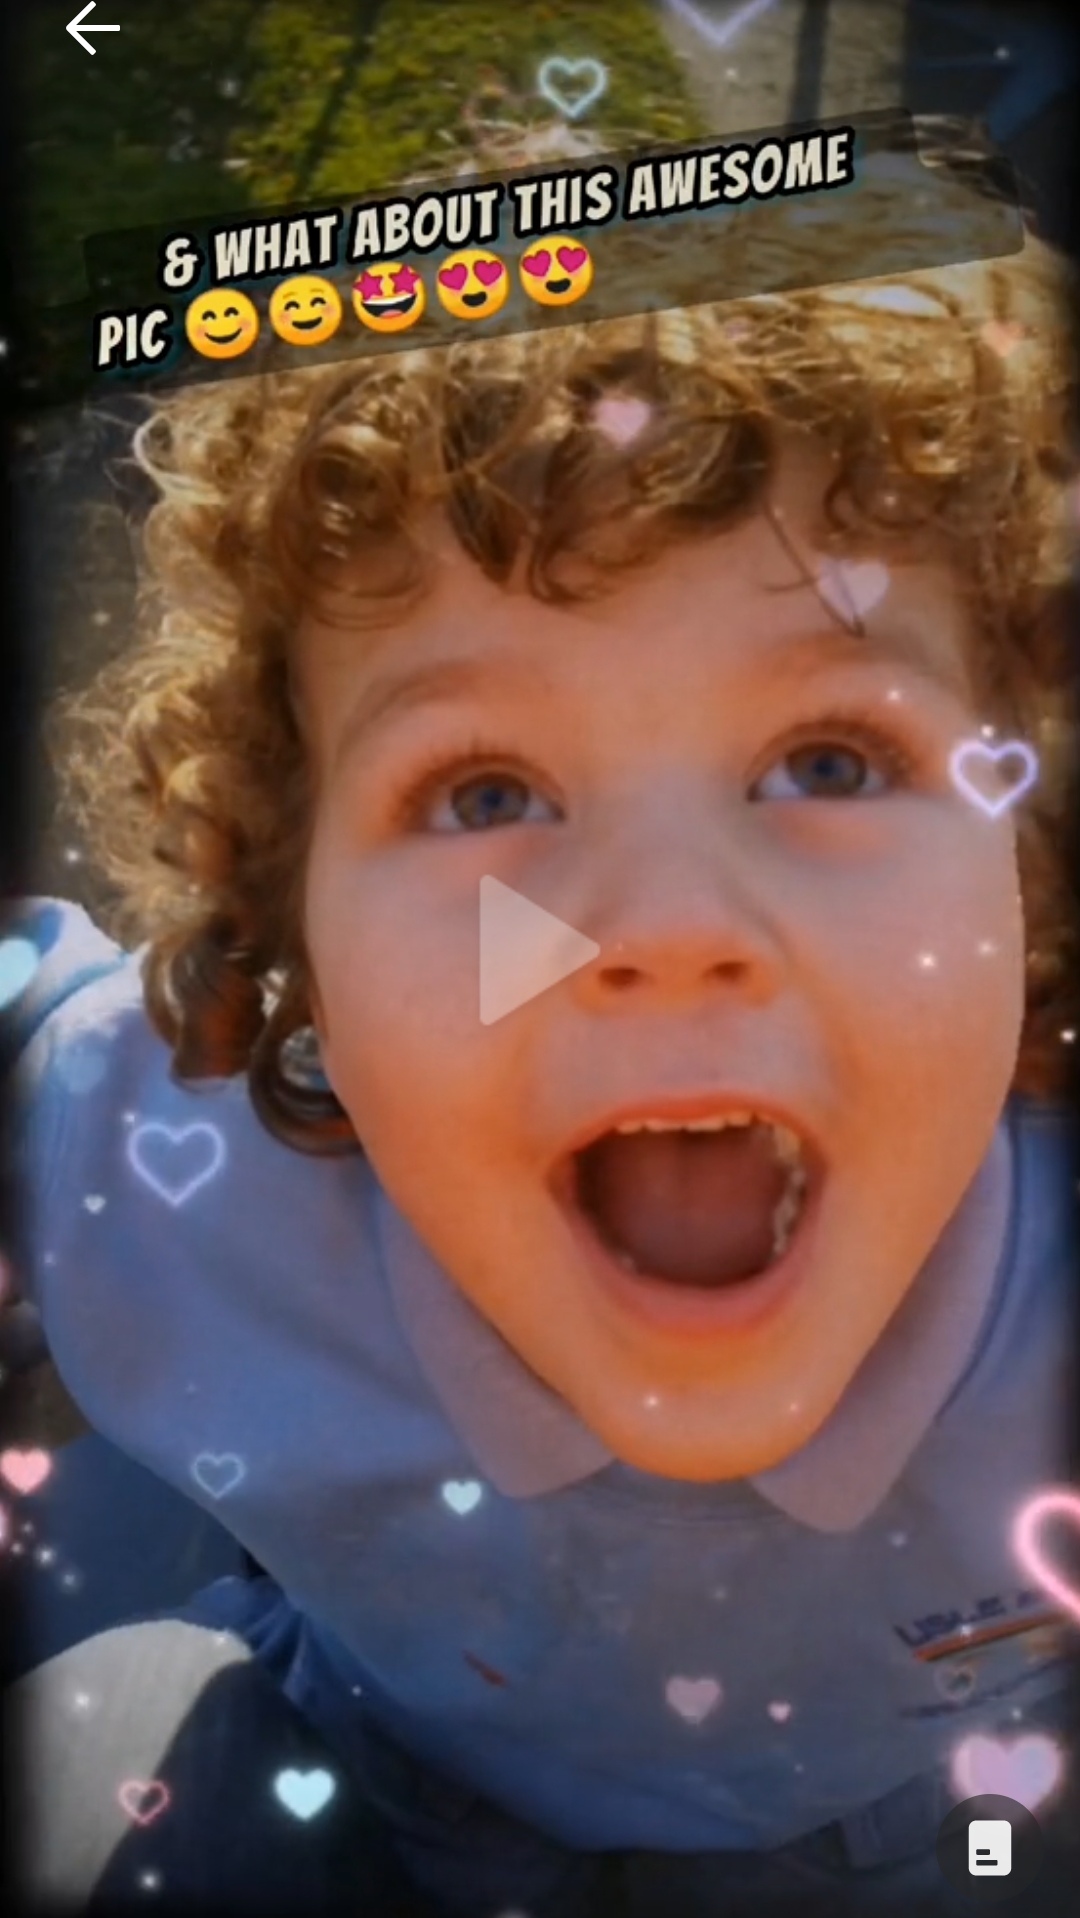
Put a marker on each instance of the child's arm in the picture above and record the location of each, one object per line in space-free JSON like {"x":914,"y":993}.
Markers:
{"x":64,"y":951}
{"x":50,"y":951}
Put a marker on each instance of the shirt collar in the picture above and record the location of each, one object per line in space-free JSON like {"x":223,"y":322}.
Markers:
{"x":526,"y":1441}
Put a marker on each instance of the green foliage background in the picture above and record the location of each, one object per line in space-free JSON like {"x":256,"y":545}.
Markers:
{"x":209,"y":106}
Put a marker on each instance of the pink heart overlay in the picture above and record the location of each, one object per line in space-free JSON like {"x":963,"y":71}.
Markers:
{"x":143,"y":1799}
{"x":538,"y":264}
{"x":1003,"y":336}
{"x":571,"y":257}
{"x":25,"y":1471}
{"x":454,"y":277}
{"x":693,"y":1698}
{"x":621,"y":420}
{"x":1029,"y":1769}
{"x":852,"y":588}
{"x":1027,"y":1545}
{"x":488,"y":271}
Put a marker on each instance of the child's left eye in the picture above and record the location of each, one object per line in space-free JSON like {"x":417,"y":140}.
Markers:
{"x":827,"y":769}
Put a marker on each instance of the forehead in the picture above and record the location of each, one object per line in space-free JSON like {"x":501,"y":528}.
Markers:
{"x":751,"y":596}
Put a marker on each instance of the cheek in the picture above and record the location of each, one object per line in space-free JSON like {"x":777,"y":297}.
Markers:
{"x":928,"y":947}
{"x":397,"y":983}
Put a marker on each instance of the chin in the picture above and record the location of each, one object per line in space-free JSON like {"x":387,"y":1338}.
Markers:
{"x":684,"y":1440}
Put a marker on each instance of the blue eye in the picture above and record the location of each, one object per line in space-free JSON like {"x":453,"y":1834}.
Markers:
{"x":827,"y":769}
{"x":490,"y":799}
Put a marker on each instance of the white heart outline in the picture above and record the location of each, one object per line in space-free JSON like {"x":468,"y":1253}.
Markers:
{"x":176,"y":1135}
{"x":719,"y":34}
{"x":982,"y":749}
{"x":570,"y":109}
{"x":219,"y":1458}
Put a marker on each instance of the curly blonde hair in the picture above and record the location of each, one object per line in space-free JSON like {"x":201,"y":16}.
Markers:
{"x":942,"y":399}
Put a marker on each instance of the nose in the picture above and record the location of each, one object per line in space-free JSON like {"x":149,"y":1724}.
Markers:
{"x":681,"y":919}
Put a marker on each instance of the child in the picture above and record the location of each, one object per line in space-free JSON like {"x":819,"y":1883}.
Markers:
{"x":629,"y":1397}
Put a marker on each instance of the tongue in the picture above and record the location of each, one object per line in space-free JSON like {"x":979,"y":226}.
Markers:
{"x":695,"y":1208}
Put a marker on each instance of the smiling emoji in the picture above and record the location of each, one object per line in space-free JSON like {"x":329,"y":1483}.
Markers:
{"x":473,"y":285}
{"x":221,"y":324}
{"x":557,"y":271}
{"x":389,"y":297}
{"x":305,"y":311}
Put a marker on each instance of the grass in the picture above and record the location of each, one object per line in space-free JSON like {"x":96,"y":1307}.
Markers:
{"x":216,"y":105}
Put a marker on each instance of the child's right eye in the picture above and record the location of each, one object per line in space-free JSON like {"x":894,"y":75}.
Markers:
{"x":487,"y":800}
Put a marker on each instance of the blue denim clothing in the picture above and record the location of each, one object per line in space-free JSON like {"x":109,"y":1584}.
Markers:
{"x":472,"y":1860}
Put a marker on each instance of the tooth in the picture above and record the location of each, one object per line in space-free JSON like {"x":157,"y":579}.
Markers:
{"x":786,"y":1145}
{"x":787,"y":1210}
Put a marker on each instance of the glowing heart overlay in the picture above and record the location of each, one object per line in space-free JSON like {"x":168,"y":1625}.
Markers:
{"x":852,"y":588}
{"x":1028,"y":1769}
{"x":621,"y":420}
{"x":976,"y":753}
{"x":1027,"y":1545}
{"x":176,"y":1161}
{"x":557,"y":70}
{"x":19,"y":960}
{"x":720,"y":33}
{"x":218,"y":1473}
{"x":143,"y":1800}
{"x":462,"y":1495}
{"x":25,"y":1471}
{"x":693,"y":1698}
{"x":304,"y":1793}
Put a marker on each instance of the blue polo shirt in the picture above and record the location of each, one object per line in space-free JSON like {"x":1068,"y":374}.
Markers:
{"x":619,"y":1660}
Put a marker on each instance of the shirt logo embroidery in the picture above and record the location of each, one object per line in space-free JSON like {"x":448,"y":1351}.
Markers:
{"x":941,"y":1635}
{"x":956,"y":1648}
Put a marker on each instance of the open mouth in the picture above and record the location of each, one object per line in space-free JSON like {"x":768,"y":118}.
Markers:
{"x":306,"y":326}
{"x":473,"y":299}
{"x":386,"y":309}
{"x":703,"y":1206}
{"x":558,"y":286}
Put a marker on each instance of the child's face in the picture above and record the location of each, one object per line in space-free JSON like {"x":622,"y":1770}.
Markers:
{"x":750,"y":810}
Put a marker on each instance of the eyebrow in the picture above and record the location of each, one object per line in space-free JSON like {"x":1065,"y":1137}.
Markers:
{"x":397,"y":693}
{"x":902,"y":644}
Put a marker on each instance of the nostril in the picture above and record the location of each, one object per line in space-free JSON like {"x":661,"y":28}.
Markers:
{"x":620,"y":977}
{"x":728,"y":971}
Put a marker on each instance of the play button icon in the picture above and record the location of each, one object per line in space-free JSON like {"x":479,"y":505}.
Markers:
{"x":523,"y":950}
